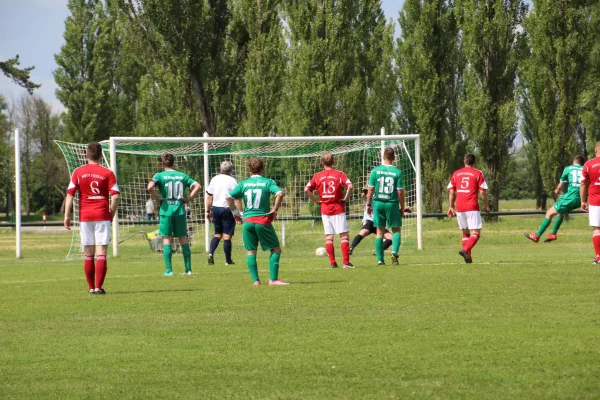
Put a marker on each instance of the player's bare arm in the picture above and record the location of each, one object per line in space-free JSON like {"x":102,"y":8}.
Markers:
{"x":484,"y":196}
{"x":451,"y":203}
{"x":114,"y":204}
{"x":311,"y":195}
{"x":235,"y":205}
{"x":559,"y":188}
{"x":195,"y":190}
{"x":209,"y":201}
{"x":370,"y":200}
{"x":349,"y":189}
{"x":583,"y":194}
{"x":278,"y":201}
{"x":402,"y":200}
{"x":68,"y":207}
{"x":152,"y":190}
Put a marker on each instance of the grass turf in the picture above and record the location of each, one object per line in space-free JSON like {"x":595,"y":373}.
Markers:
{"x":523,"y":321}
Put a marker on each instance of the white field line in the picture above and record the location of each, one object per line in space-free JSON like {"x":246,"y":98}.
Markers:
{"x":292,"y":269}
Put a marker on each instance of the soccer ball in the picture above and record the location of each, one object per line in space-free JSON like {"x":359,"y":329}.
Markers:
{"x":321,"y":252}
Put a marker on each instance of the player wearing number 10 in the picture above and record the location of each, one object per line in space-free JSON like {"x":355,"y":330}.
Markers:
{"x":568,"y":202}
{"x":171,"y":185}
{"x":385,"y":189}
{"x":258,"y":219}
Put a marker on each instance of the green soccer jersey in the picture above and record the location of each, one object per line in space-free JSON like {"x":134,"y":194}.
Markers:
{"x":387,"y":180}
{"x":171,"y":185}
{"x":572,"y":175}
{"x":256,"y":192}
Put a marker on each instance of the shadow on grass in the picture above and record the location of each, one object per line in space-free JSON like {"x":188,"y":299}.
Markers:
{"x":315,"y":283}
{"x":157,"y":291}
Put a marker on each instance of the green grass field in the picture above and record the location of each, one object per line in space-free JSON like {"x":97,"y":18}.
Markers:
{"x":522,"y":321}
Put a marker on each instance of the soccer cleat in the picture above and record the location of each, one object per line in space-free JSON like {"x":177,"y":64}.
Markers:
{"x":257,"y":283}
{"x":380,"y":263}
{"x":277,"y":282}
{"x":92,"y":291}
{"x":551,"y":238}
{"x":533,"y":237}
{"x":211,"y":260}
{"x":99,"y":291}
{"x":230,"y":263}
{"x":187,"y":273}
{"x":334,"y":265}
{"x":466,"y":256}
{"x":395,"y":259}
{"x":596,"y":260}
{"x":170,"y":273}
{"x":348,"y":266}
{"x":350,"y":250}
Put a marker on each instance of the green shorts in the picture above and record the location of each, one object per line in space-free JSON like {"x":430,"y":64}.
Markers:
{"x":386,"y":215}
{"x":565,"y":204}
{"x":254,"y":233}
{"x":173,"y":226}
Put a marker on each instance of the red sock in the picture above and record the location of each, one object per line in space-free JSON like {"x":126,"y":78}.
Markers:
{"x":330,"y":251}
{"x":345,"y":245}
{"x":465,"y":237}
{"x":471,"y":242}
{"x":596,"y":241}
{"x":88,"y":268}
{"x":101,"y":268}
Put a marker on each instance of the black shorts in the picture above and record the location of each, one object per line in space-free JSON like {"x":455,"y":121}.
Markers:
{"x":368,"y":225}
{"x":223,"y":220}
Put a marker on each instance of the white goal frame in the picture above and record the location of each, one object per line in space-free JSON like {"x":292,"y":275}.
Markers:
{"x":113,"y":141}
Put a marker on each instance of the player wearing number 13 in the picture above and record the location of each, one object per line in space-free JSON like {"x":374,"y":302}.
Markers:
{"x":172,"y":184}
{"x":591,"y":204}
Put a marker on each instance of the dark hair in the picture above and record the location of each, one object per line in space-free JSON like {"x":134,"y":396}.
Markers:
{"x":389,"y":154}
{"x":168,"y":160}
{"x":256,"y":165}
{"x":580,"y":159}
{"x":470,"y":159}
{"x":94,"y":151}
{"x":327,"y":159}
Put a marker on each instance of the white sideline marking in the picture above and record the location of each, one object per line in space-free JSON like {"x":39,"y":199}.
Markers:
{"x":292,"y":269}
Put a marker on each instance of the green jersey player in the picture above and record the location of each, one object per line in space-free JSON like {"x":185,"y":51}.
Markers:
{"x":171,"y":185}
{"x":258,"y":218}
{"x":569,"y":201}
{"x":385,"y":190}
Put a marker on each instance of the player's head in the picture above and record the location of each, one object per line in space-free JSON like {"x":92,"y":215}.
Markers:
{"x":94,"y":151}
{"x":579,"y":160}
{"x":256,"y":166}
{"x":226,"y":167}
{"x":470,"y":160}
{"x":389,"y":154}
{"x":327,"y":159}
{"x":167,"y":160}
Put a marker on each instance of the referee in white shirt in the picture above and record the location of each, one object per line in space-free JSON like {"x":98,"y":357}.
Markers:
{"x":218,"y":211}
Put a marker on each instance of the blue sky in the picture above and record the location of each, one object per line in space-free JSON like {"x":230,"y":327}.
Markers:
{"x":34,"y":28}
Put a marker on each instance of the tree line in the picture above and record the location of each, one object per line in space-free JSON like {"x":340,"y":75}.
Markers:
{"x":466,"y":75}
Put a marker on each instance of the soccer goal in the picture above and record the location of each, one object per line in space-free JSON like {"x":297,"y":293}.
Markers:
{"x":290,"y":161}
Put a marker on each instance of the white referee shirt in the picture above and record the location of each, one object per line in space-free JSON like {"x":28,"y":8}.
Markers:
{"x":219,"y":188}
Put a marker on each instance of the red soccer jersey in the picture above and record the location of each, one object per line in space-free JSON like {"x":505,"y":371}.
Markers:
{"x":329,"y":183}
{"x":94,"y":184}
{"x":467,"y":182}
{"x":591,"y":174}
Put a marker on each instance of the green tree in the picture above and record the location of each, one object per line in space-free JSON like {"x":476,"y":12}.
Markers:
{"x":492,"y":45}
{"x":430,"y":71}
{"x":5,"y":155}
{"x":20,"y":76}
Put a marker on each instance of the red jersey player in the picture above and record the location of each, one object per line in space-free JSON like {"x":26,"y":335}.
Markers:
{"x":330,"y":184}
{"x":591,"y":203}
{"x":463,"y":189}
{"x":95,"y":185}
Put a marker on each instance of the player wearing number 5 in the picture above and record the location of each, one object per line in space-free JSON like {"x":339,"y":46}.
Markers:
{"x":568,"y":202}
{"x":330,"y":185}
{"x":385,"y":190}
{"x":463,"y":190}
{"x":173,"y":223}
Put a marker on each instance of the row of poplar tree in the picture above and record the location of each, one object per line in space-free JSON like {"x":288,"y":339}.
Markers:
{"x":467,"y":75}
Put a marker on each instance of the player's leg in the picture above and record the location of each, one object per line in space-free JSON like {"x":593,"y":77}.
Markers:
{"x":462,"y":219}
{"x":594,"y":221}
{"x":570,"y":204}
{"x":102,"y":237}
{"x":387,"y":239}
{"x":329,"y":234}
{"x":270,"y":242}
{"x":466,"y":233}
{"x":88,"y":242}
{"x":228,"y":231}
{"x":251,"y":245}
{"x":394,"y":222}
{"x":340,"y":225}
{"x":165,"y":230}
{"x":474,"y":224}
{"x":552,"y":211}
{"x":365,"y":231}
{"x":379,"y":220}
{"x":180,"y":232}
{"x":214,"y":243}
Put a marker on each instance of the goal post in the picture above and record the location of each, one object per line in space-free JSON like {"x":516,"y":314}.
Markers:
{"x":290,"y":161}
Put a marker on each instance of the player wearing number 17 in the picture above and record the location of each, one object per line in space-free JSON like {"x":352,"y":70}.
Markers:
{"x":463,"y":190}
{"x":172,"y":184}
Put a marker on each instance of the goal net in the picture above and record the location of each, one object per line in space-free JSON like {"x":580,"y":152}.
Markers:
{"x":291,"y":162}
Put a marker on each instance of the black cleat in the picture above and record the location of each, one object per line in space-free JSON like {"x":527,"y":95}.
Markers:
{"x":466,"y":256}
{"x":92,"y":291}
{"x":350,"y":250}
{"x":380,"y":263}
{"x":395,"y":259}
{"x":230,"y":263}
{"x":334,"y":265}
{"x":99,"y":291}
{"x":211,"y":260}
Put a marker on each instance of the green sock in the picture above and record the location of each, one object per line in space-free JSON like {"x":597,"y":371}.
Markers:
{"x":252,"y":267}
{"x":274,"y":266}
{"x":543,"y":227}
{"x":557,"y":223}
{"x":379,"y":248}
{"x":187,"y":256}
{"x":395,"y":242}
{"x":167,"y":255}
